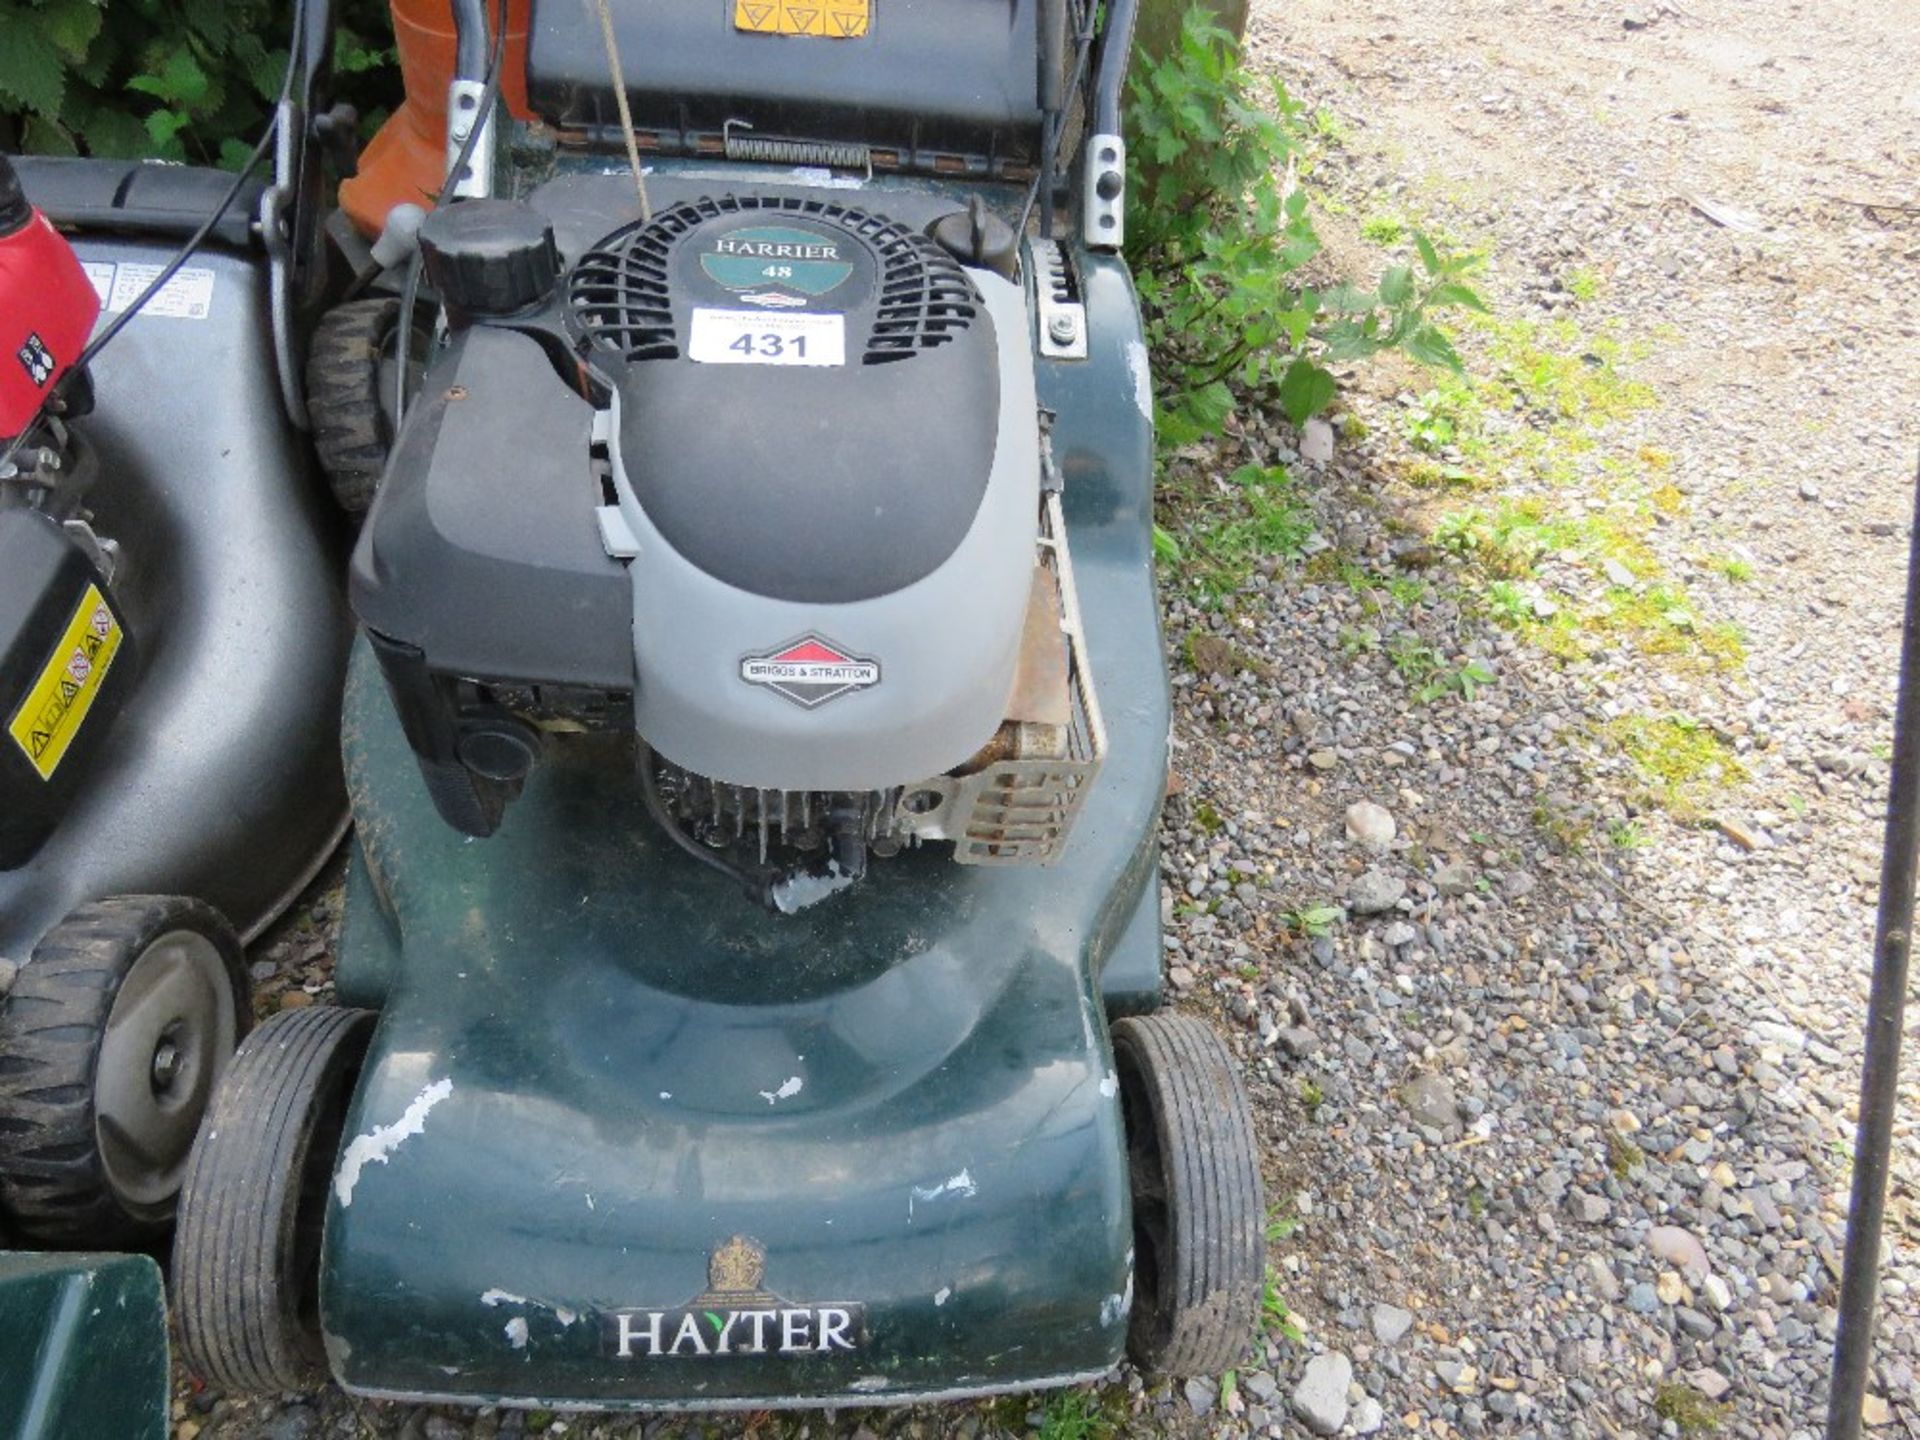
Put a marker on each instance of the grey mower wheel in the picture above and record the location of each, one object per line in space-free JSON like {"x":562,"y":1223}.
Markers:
{"x":246,"y":1253}
{"x":1198,"y":1207}
{"x":112,"y":1040}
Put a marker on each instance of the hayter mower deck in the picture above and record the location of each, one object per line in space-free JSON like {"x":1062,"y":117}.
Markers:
{"x":756,"y":842}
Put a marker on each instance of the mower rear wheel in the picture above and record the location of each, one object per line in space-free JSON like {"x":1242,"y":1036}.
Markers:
{"x":246,"y":1254}
{"x":1198,"y":1207}
{"x":111,"y":1042}
{"x":350,"y":387}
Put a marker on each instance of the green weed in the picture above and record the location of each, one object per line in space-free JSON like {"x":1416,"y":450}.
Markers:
{"x":1679,"y":760}
{"x":1690,"y":1411}
{"x":1218,"y":246}
{"x":1079,"y":1414}
{"x":1465,"y":681}
{"x":1313,"y":920}
{"x":1623,"y":1156}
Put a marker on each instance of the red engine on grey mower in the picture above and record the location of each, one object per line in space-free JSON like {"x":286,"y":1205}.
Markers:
{"x":47,"y":306}
{"x":66,"y":653}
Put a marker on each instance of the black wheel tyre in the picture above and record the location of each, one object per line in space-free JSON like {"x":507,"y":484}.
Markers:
{"x":350,"y":386}
{"x":247,"y":1251}
{"x":1198,"y":1208}
{"x":112,"y":1040}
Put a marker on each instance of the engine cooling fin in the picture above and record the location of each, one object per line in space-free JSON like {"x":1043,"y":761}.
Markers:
{"x":621,"y":295}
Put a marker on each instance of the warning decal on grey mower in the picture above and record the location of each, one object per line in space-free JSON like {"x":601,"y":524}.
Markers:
{"x":810,"y":671}
{"x":734,"y":1316}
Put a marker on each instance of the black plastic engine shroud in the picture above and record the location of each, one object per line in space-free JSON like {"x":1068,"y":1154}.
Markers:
{"x":816,"y":482}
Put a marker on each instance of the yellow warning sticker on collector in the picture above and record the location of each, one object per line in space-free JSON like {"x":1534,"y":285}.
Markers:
{"x":835,"y":19}
{"x":55,"y":709}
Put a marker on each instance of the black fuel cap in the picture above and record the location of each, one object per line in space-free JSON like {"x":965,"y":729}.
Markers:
{"x":489,"y":257}
{"x":976,"y":236}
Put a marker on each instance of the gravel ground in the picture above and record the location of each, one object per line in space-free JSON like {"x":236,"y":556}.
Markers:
{"x":1558,"y":1105}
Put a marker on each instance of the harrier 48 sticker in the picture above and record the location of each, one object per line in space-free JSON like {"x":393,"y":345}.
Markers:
{"x":777,"y":264}
{"x":810,"y":671}
{"x":734,"y":1316}
{"x":754,"y":337}
{"x":51,"y":715}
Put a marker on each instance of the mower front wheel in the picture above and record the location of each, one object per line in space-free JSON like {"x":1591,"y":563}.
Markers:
{"x":111,"y":1043}
{"x":246,"y":1254}
{"x":1198,"y":1207}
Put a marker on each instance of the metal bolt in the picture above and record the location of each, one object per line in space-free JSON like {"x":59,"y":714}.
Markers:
{"x":1063,"y":327}
{"x":166,"y":1064}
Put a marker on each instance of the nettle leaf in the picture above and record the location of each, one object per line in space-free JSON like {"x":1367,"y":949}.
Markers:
{"x":1453,"y":293}
{"x":32,"y":75}
{"x":40,"y":136}
{"x":110,"y":131}
{"x":1430,"y":346}
{"x":1210,"y":406}
{"x":1429,"y":256}
{"x":1305,"y":390}
{"x":1353,"y":338}
{"x":1347,"y":299}
{"x":178,"y":80}
{"x":216,"y":20}
{"x":71,"y":25}
{"x":1396,"y":286}
{"x":163,"y":128}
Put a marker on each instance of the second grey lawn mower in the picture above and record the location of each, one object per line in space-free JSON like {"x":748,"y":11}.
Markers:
{"x":173,"y":637}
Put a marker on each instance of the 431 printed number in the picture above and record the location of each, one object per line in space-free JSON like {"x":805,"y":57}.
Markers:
{"x":748,"y":337}
{"x":771,"y":347}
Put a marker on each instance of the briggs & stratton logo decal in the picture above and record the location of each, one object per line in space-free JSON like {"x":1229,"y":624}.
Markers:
{"x":734,"y":1316}
{"x":810,"y":671}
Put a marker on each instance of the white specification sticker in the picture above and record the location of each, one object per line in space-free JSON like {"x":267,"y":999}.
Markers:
{"x":187,"y":296}
{"x":752,"y":337}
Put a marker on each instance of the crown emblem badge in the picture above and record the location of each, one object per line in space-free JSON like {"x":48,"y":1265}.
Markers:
{"x":736,"y":1267}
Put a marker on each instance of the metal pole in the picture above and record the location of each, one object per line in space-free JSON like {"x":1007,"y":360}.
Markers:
{"x":1880,"y":1072}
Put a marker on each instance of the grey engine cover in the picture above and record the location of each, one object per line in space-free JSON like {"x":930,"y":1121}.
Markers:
{"x":874,"y":521}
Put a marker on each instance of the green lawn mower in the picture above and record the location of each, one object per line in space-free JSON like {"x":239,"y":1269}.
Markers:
{"x":756,"y":743}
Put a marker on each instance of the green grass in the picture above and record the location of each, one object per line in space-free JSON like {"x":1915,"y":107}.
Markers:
{"x":1222,"y":530}
{"x":1413,"y":659}
{"x":1276,"y":1317}
{"x":1679,"y":760}
{"x":1311,"y":1095}
{"x":1080,"y":1414}
{"x":1508,"y":542}
{"x":1386,"y":231}
{"x":1628,"y":835}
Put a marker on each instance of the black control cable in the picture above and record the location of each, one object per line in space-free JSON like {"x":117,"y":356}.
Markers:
{"x":1053,"y":126}
{"x":57,"y":392}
